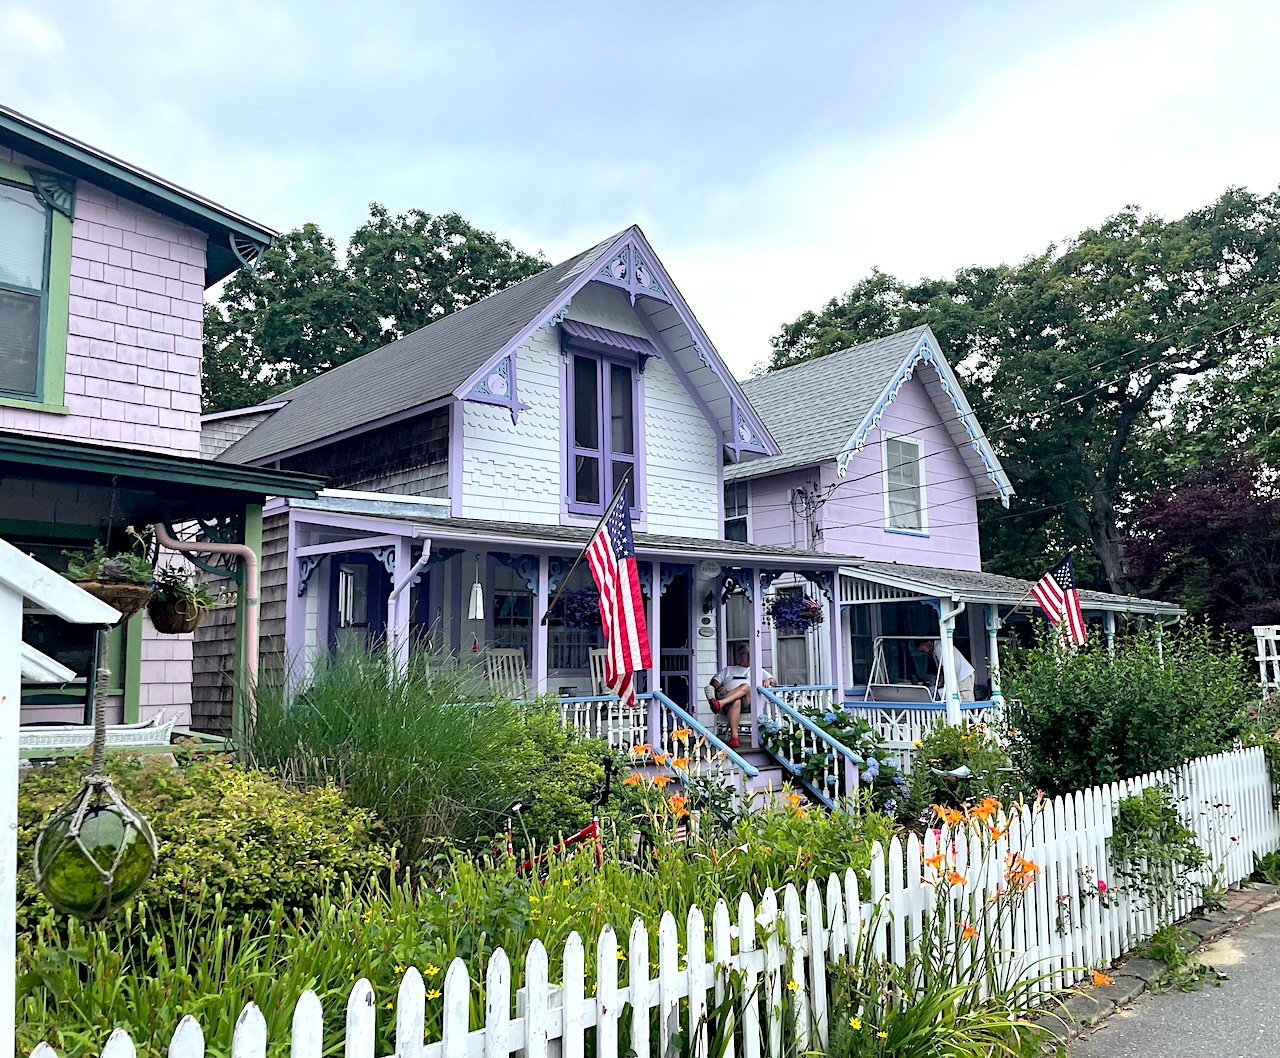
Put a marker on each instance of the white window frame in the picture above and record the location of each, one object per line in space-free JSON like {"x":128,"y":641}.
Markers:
{"x":918,"y":444}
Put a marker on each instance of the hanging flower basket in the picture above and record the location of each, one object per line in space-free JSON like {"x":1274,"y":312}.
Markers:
{"x":129,"y":599}
{"x":793,"y":613}
{"x":175,"y":616}
{"x":579,"y":610}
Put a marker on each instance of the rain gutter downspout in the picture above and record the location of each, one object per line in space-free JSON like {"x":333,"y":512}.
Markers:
{"x":252,"y":594}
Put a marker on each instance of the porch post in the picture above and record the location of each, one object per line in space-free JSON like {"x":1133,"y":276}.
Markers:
{"x":540,"y":628}
{"x":837,"y":643}
{"x":398,"y":607}
{"x":993,"y":655}
{"x":295,"y":614}
{"x":1109,"y":630}
{"x":757,"y":629}
{"x":951,"y":685}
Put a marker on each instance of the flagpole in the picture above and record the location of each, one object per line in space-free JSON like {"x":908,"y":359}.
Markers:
{"x":564,"y":583}
{"x":1028,"y":592}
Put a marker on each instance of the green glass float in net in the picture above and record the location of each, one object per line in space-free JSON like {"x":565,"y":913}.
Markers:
{"x":95,"y":852}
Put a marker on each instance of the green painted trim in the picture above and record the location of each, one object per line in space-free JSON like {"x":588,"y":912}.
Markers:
{"x":132,"y":689}
{"x":36,"y":405}
{"x":124,"y":464}
{"x":240,"y":684}
{"x":56,"y":309}
{"x":53,"y":530}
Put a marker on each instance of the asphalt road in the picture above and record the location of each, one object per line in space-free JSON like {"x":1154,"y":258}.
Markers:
{"x":1239,"y":1019}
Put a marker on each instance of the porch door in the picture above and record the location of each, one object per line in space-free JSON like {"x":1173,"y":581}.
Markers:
{"x":677,"y":633}
{"x":358,"y":599}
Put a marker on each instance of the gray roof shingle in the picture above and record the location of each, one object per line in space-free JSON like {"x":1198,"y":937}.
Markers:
{"x":418,"y":368}
{"x":812,"y":409}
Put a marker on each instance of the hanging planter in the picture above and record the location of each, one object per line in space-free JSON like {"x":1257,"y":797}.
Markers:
{"x":794,"y":613}
{"x":579,"y":610}
{"x":178,"y":603}
{"x":122,"y":580}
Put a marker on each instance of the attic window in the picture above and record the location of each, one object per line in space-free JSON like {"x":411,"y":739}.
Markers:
{"x":904,"y":496}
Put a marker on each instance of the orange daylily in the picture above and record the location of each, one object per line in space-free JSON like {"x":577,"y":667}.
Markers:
{"x":1100,"y":979}
{"x":969,"y":933}
{"x":681,"y":734}
{"x":950,"y":816}
{"x":634,"y":779}
{"x":955,"y":878}
{"x":985,"y":809}
{"x":1020,"y":871}
{"x":661,"y":758}
{"x":680,"y":763}
{"x":662,"y":780}
{"x":678,"y":804}
{"x":997,"y":832}
{"x":934,"y":862}
{"x":641,"y":750}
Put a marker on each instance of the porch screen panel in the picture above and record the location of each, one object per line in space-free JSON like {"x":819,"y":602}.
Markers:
{"x":903,"y":477}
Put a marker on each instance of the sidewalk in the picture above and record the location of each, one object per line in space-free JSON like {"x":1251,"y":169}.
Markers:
{"x":1239,"y":1019}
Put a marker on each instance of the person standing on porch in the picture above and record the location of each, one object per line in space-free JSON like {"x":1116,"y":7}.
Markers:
{"x":730,"y":688}
{"x":964,"y":670}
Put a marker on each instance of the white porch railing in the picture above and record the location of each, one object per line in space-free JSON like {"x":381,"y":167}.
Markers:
{"x":604,"y":716}
{"x":808,"y":695}
{"x":825,"y":765}
{"x":782,"y":946}
{"x":900,"y":727}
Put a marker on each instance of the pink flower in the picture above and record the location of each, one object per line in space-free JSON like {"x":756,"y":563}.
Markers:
{"x":1102,"y":886}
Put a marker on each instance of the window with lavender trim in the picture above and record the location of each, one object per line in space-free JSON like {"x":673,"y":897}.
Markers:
{"x":602,"y":430}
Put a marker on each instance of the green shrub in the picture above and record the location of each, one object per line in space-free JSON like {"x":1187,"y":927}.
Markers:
{"x":254,"y":839}
{"x":1081,"y":718}
{"x":947,"y":748}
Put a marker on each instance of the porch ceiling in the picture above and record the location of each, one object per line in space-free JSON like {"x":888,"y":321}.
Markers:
{"x":978,"y":587}
{"x":507,"y":535}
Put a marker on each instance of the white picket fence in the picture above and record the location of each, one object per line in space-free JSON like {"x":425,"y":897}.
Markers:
{"x":782,"y":950}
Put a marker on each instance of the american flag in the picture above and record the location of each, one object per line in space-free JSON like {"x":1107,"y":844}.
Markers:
{"x":611,"y":555}
{"x":1058,"y":598}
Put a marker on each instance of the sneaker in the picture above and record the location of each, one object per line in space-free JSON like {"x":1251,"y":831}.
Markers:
{"x":733,"y":742}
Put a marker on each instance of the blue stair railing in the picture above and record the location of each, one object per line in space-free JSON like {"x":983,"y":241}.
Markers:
{"x":702,"y":747}
{"x":826,"y":767}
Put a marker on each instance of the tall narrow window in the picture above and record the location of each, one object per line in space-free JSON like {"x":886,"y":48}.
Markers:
{"x":602,"y":395}
{"x":24,"y":258}
{"x":904,"y":484}
{"x":736,"y":495}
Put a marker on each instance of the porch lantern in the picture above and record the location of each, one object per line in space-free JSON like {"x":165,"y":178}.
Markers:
{"x":95,"y":852}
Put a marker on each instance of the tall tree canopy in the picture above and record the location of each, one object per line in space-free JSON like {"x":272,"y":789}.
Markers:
{"x":1082,"y":359}
{"x":304,"y":309}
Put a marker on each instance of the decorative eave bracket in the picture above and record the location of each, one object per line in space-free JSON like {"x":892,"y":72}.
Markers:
{"x":627,"y":268}
{"x":498,"y":388}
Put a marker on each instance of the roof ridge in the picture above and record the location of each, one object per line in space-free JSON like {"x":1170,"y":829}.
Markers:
{"x":828,"y":357}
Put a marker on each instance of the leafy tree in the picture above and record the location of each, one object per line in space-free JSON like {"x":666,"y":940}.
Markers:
{"x":1075,"y":358}
{"x":1212,"y":543}
{"x":302,"y":310}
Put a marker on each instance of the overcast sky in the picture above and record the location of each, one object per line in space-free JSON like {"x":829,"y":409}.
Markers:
{"x":773,"y":152}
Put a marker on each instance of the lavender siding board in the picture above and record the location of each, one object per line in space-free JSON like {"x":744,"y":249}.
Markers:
{"x":410,"y":458}
{"x":852,"y":520}
{"x":769,"y":515}
{"x":134,"y":329}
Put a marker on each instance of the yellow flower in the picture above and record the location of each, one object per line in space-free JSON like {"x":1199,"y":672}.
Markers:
{"x":430,"y":970}
{"x":435,"y":993}
{"x":399,"y":969}
{"x":792,"y":986}
{"x":622,"y":956}
{"x":365,"y":917}
{"x":855,"y":1023}
{"x":389,"y":1004}
{"x":882,"y":1035}
{"x":917,"y":743}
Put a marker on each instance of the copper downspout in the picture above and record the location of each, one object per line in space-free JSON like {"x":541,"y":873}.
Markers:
{"x":251,"y":589}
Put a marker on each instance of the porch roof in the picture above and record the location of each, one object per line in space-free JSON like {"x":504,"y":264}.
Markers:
{"x":430,"y":520}
{"x":134,"y":486}
{"x":978,"y":587}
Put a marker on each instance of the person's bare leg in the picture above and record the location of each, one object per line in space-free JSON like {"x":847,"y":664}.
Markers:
{"x":731,"y":706}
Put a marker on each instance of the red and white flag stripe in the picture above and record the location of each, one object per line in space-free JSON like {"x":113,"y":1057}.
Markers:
{"x":1058,"y":597}
{"x":611,"y":556}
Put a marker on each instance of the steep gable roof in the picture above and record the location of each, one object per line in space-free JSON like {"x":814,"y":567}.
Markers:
{"x":826,"y":408}
{"x":446,"y":358}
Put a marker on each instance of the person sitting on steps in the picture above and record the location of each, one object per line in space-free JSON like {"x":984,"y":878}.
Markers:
{"x":730,"y":688}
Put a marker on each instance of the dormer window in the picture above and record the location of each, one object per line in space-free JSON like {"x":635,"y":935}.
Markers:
{"x":602,"y":430}
{"x":904,"y":499}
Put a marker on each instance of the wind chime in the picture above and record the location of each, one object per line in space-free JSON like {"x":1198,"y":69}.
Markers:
{"x":95,"y":852}
{"x":475,"y":608}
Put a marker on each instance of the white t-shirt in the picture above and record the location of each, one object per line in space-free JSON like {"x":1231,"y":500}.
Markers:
{"x":731,"y":677}
{"x":963,"y":669}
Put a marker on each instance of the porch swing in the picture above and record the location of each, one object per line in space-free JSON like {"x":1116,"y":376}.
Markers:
{"x":880,"y":689}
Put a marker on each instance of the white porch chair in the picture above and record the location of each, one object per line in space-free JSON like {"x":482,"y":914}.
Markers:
{"x":597,"y":656}
{"x":506,"y":673}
